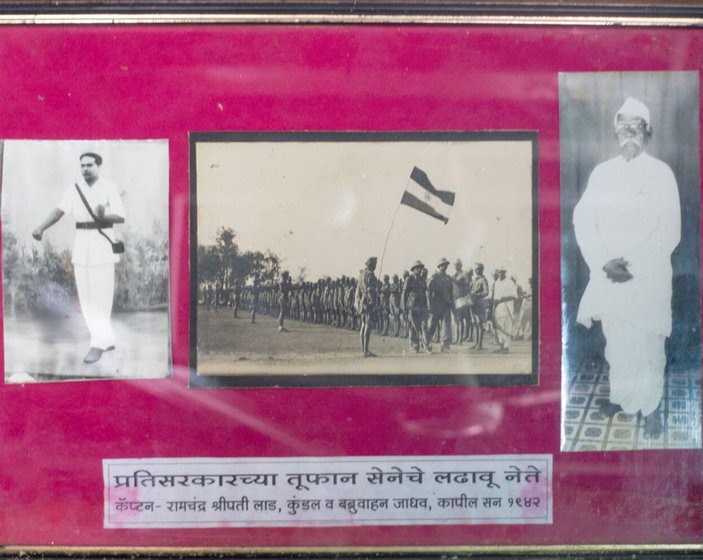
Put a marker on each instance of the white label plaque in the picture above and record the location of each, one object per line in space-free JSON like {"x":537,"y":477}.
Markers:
{"x":324,"y":491}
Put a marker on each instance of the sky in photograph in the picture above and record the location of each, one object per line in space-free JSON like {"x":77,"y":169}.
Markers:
{"x":328,"y":206}
{"x":36,"y":173}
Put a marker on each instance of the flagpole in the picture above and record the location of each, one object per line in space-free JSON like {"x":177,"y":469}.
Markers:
{"x":385,"y":245}
{"x":429,"y":192}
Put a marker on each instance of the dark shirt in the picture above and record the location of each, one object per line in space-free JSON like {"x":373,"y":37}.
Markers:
{"x":367,"y":291}
{"x":440,"y":292}
{"x":415,"y":293}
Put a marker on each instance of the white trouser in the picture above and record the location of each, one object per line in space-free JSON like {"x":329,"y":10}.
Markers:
{"x":96,"y":285}
{"x":637,"y":360}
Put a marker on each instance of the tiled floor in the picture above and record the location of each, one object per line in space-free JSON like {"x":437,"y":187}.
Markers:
{"x":584,"y":429}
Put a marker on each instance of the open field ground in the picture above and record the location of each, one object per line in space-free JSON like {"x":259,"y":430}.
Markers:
{"x":52,"y":348}
{"x":229,"y":346}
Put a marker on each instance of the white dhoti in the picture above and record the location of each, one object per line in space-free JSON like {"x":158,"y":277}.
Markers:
{"x":504,"y":291}
{"x":503,"y":321}
{"x":96,"y":286}
{"x":637,"y":361}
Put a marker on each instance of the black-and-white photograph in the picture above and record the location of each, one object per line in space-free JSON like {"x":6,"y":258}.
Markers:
{"x":630,"y":183}
{"x":363,"y":258}
{"x":85,"y":269}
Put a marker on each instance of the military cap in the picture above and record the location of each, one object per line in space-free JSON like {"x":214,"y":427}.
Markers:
{"x":417,"y":264}
{"x":443,"y":262}
{"x":371,"y":260}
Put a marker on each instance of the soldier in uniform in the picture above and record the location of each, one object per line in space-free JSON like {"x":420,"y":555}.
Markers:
{"x":317,"y":303}
{"x":341,"y":303}
{"x":441,"y":303}
{"x":425,"y":274}
{"x":462,"y":282}
{"x":366,"y":303}
{"x":254,"y":299}
{"x":404,"y":320}
{"x":396,"y":291}
{"x":384,"y":309}
{"x":349,"y":303}
{"x":414,"y":302}
{"x":236,"y":297}
{"x":327,"y":302}
{"x":208,"y":295}
{"x":479,"y":293}
{"x":284,"y":290}
{"x":340,"y":295}
{"x":218,"y":295}
{"x":305,"y":305}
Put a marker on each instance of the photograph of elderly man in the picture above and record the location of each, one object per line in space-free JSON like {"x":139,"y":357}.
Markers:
{"x":629,"y":267}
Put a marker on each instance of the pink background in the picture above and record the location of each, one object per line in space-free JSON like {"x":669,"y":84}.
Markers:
{"x":161,"y":82}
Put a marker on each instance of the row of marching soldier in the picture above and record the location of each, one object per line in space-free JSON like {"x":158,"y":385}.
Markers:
{"x":441,"y":308}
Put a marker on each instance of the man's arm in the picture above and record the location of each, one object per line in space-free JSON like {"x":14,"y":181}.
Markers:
{"x":54,"y":216}
{"x":506,"y":291}
{"x":480,"y":288}
{"x":431,"y":289}
{"x":585,"y":221}
{"x":107,"y":218}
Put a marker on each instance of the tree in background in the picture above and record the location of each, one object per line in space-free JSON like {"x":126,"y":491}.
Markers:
{"x":221,"y":263}
{"x":39,"y":278}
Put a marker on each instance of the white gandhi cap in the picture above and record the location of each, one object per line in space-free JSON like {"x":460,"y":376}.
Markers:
{"x":633,"y":108}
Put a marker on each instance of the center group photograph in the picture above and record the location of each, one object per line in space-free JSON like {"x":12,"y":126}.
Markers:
{"x":364,"y":258}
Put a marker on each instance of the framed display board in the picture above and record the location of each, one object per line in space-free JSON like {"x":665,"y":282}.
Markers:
{"x":312,"y":279}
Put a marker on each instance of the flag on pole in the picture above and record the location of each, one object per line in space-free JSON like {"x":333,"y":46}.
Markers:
{"x":421,"y":194}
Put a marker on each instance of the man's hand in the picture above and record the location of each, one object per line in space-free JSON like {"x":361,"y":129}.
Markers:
{"x":100,"y":211}
{"x":37,"y":234}
{"x":616,"y":270}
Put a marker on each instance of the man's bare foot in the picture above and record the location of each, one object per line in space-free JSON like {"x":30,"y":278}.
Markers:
{"x":653,"y":426}
{"x":609,"y":409}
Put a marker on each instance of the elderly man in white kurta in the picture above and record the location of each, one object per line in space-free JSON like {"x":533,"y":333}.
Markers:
{"x":93,"y":257}
{"x":627,"y":224}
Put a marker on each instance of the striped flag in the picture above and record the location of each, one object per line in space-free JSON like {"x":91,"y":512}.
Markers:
{"x":423,"y":196}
